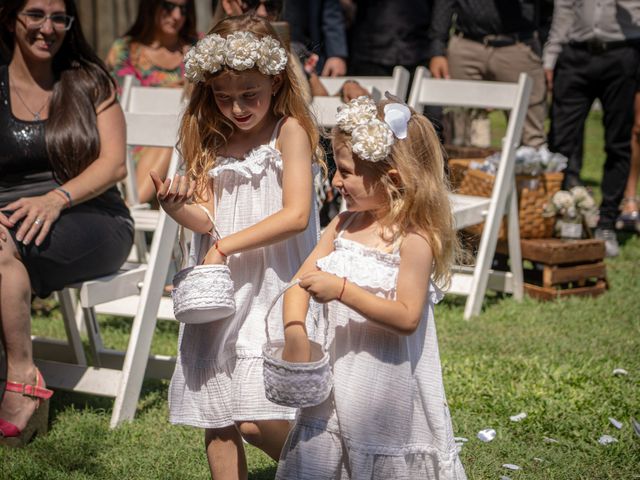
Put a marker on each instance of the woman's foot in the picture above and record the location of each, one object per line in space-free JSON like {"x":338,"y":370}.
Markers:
{"x":20,"y":410}
{"x":629,"y":218}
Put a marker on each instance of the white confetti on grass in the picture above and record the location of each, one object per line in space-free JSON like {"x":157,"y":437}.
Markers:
{"x":504,"y":477}
{"x":615,"y":423}
{"x":460,"y":439}
{"x":606,"y":440}
{"x":511,"y":466}
{"x":550,"y":440}
{"x":487,"y":434}
{"x":620,"y":371}
{"x":538,"y":459}
{"x":520,"y":416}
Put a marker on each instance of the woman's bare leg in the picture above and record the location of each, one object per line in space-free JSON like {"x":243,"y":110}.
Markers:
{"x":15,"y":320}
{"x":634,"y":172}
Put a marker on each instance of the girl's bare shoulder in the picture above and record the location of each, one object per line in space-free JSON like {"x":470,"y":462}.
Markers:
{"x":291,"y":134}
{"x":415,"y":240}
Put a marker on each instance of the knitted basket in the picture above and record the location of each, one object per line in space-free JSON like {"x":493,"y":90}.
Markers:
{"x":295,"y":384}
{"x":534,"y":191}
{"x":202,"y":294}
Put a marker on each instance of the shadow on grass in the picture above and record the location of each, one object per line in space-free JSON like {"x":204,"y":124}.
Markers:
{"x":624,"y":237}
{"x":152,"y":396}
{"x":265,"y":473}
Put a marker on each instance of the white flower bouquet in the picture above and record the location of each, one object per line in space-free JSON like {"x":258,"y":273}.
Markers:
{"x":575,"y":211}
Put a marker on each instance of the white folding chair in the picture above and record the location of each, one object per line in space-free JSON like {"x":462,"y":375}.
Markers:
{"x":470,"y":210}
{"x":325,"y":108}
{"x":138,"y":285}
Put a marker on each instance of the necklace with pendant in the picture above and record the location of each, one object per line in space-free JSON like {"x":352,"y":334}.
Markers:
{"x":36,"y":114}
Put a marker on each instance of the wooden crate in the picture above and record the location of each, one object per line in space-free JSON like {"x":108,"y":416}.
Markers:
{"x":562,"y":268}
{"x":559,"y":268}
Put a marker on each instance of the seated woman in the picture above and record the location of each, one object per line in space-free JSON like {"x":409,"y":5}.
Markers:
{"x":62,"y":151}
{"x":152,"y":51}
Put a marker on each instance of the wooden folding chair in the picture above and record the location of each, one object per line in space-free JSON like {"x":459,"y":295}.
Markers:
{"x":152,"y":118}
{"x":325,"y":108}
{"x":470,"y":210}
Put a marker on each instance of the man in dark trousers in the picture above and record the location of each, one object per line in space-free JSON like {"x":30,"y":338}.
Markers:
{"x":493,"y":40}
{"x":593,"y":52}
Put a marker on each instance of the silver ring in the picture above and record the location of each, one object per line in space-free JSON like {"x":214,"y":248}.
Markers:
{"x":38,"y":221}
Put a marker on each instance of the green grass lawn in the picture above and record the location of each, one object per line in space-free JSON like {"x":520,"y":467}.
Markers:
{"x":553,"y":361}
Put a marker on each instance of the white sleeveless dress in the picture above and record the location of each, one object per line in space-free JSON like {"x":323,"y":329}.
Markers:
{"x":218,"y":377}
{"x":387,"y":417}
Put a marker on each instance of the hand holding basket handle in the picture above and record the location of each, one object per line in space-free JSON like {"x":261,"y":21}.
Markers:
{"x":304,"y":380}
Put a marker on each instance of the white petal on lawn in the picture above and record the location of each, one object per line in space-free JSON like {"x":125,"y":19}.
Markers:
{"x":520,"y":416}
{"x":606,"y":440}
{"x":620,"y":371}
{"x":487,"y":434}
{"x":511,"y":466}
{"x":615,"y":423}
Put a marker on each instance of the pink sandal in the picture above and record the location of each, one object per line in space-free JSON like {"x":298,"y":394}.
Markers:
{"x":11,"y":435}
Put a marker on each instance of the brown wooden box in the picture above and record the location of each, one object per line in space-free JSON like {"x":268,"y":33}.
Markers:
{"x":563,"y":267}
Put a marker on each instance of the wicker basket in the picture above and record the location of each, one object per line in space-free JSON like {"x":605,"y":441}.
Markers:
{"x":203,"y":294}
{"x":467,"y":151}
{"x":533,"y":193}
{"x":292,"y":384}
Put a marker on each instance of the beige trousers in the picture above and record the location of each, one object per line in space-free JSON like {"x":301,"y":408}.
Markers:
{"x":470,"y":60}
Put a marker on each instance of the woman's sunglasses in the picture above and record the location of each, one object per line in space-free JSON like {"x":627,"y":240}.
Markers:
{"x":169,"y":7}
{"x":273,"y":7}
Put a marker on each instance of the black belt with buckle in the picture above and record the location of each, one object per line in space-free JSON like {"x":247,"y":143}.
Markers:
{"x":597,"y":46}
{"x":502,"y":40}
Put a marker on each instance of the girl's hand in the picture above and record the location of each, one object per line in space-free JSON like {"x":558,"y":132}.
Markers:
{"x":37,"y":215}
{"x":173,"y":194}
{"x":214,"y":257}
{"x":322,"y":286}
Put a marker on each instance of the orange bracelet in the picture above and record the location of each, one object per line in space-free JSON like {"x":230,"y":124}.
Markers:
{"x":344,"y":284}
{"x":215,"y":245}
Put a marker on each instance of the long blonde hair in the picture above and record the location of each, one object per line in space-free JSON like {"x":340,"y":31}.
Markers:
{"x":418,"y":194}
{"x":204,"y":130}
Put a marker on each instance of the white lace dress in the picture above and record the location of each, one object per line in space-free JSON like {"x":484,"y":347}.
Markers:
{"x":387,"y":417}
{"x":218,"y":376}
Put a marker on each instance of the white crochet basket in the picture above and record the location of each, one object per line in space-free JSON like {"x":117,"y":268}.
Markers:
{"x":202,"y":294}
{"x":295,"y":384}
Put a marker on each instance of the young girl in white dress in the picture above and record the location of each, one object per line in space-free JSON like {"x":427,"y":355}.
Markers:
{"x":249,"y":144}
{"x":375,"y":266}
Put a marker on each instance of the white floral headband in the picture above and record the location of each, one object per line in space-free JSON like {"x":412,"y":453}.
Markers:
{"x":239,"y":50}
{"x":372,"y":139}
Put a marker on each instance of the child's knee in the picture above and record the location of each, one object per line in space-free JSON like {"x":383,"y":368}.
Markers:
{"x":251,"y":433}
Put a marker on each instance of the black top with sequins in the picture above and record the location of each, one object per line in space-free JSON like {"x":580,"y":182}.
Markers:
{"x":24,"y":164}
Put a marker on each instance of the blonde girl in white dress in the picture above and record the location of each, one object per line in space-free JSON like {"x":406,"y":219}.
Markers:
{"x":375,"y":266}
{"x":248,"y":142}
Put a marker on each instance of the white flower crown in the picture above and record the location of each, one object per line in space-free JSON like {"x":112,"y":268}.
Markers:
{"x":372,"y":138}
{"x":240,"y":51}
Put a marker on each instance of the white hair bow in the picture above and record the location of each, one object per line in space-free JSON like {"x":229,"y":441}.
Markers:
{"x":397,"y":116}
